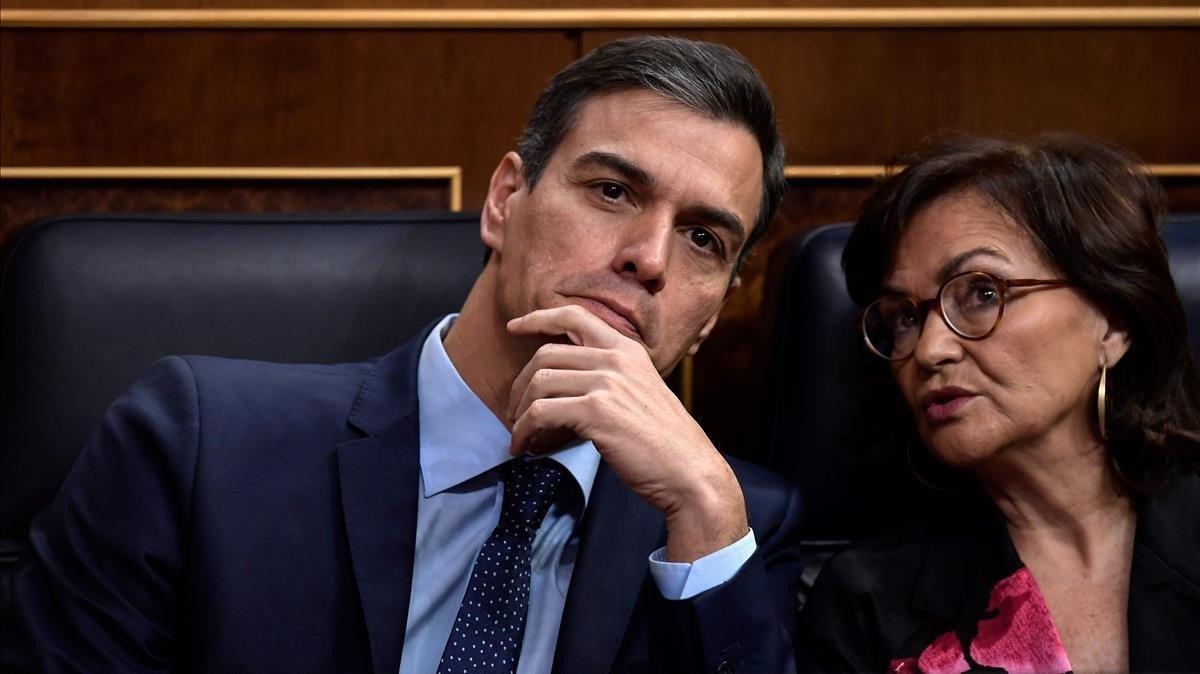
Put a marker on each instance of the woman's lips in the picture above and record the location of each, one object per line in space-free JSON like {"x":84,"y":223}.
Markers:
{"x":945,"y":409}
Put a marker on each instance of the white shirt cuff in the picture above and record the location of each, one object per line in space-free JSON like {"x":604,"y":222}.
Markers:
{"x":681,"y":580}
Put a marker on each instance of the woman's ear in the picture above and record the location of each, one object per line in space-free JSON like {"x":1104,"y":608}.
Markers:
{"x":507,"y":180}
{"x":1114,"y":341}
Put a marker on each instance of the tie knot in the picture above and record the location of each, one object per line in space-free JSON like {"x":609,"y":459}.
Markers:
{"x":530,"y":486}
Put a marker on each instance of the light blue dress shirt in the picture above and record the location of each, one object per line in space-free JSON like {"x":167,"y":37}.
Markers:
{"x":462,"y":444}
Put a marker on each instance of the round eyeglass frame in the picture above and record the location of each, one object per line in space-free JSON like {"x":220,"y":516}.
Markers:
{"x":923,"y":306}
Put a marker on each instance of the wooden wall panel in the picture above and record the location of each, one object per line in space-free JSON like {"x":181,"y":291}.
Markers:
{"x":273,"y":98}
{"x":23,"y":202}
{"x":560,"y":4}
{"x":861,"y":96}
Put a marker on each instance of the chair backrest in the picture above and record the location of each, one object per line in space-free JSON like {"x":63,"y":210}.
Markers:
{"x":88,"y":302}
{"x":820,"y":421}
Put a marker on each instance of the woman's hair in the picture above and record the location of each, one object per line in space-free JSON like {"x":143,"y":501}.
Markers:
{"x":1094,"y":214}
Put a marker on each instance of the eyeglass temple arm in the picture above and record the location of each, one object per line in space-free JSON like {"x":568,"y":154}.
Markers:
{"x":1027,"y":282}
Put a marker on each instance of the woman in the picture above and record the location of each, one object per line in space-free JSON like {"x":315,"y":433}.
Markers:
{"x":1021,"y":297}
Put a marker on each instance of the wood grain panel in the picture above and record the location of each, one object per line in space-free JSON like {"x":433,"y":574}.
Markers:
{"x":860,"y":96}
{"x":730,"y":371}
{"x":636,"y":18}
{"x":274,"y":98}
{"x":553,"y":4}
{"x":23,"y":202}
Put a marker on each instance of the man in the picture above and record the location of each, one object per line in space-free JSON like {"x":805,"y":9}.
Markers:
{"x":238,"y":516}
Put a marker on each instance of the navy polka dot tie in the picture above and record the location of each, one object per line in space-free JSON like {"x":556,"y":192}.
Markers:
{"x":491,"y":621}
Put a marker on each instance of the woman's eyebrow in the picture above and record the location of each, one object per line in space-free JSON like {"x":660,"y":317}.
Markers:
{"x":952,"y":266}
{"x":955,"y":264}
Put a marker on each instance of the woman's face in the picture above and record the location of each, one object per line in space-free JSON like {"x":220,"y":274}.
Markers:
{"x":1032,"y":382}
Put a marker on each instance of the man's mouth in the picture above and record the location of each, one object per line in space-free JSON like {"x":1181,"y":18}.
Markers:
{"x":618,"y":317}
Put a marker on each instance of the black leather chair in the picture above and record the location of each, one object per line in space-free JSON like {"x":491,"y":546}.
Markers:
{"x":820,"y":427}
{"x":88,"y":302}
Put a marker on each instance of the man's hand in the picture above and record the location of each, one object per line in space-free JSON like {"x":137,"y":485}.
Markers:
{"x":603,"y":387}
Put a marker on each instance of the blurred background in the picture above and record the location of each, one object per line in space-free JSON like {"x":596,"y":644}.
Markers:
{"x":378,"y":105}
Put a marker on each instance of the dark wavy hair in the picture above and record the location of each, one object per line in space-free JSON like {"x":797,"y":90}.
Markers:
{"x":710,"y":78}
{"x":1095,"y":215}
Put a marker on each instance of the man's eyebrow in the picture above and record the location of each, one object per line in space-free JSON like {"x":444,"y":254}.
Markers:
{"x":718,"y":217}
{"x":628,"y":170}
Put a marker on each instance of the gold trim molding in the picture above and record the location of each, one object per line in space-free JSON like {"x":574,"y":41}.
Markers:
{"x":451,"y":174}
{"x":615,"y":18}
{"x":872,"y":171}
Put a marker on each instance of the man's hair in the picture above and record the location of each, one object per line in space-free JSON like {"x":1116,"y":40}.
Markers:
{"x":710,"y":78}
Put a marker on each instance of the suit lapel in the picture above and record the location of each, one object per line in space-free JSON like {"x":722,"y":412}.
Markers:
{"x":619,"y":532}
{"x":1164,"y":584}
{"x":379,"y":487}
{"x":379,"y":480}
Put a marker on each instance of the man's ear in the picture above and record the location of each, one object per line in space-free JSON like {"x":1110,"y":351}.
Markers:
{"x":712,"y":321}
{"x":507,"y":180}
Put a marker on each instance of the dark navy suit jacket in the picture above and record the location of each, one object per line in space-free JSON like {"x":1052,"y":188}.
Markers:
{"x":234,"y":516}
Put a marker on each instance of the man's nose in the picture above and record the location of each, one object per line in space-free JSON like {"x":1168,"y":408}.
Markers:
{"x":646,"y":250}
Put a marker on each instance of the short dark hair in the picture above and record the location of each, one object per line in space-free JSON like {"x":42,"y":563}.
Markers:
{"x":709,"y":78}
{"x":1094,"y":214}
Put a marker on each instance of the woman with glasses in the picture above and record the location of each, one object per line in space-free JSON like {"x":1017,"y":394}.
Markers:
{"x":1019,"y":296}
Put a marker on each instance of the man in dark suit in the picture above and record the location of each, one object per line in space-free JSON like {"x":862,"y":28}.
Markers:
{"x":241,"y":516}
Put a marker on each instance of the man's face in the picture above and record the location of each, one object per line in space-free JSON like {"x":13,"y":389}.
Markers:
{"x":639,"y":217}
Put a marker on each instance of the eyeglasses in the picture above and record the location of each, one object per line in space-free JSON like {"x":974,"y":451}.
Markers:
{"x":970,"y":303}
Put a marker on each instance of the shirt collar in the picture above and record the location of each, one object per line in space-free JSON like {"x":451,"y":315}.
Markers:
{"x":461,"y":438}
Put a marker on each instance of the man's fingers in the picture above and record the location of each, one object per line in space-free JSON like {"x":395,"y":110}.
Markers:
{"x":576,"y":323}
{"x":557,"y":357}
{"x":546,"y":424}
{"x":547,"y":383}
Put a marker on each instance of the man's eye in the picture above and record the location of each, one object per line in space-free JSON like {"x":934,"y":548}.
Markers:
{"x":702,"y":238}
{"x":611,"y":191}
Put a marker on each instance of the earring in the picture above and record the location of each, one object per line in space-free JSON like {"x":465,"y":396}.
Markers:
{"x":1100,"y":395}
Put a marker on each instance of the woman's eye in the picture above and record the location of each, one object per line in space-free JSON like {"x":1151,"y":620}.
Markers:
{"x":905,"y":320}
{"x":983,"y":293}
{"x":612,"y":191}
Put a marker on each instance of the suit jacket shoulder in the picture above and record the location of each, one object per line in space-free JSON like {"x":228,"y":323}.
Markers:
{"x":204,"y":524}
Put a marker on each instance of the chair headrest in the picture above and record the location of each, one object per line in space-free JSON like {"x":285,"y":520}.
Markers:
{"x":88,"y":302}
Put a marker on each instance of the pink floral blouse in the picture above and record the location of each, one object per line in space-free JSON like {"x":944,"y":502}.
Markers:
{"x":1016,"y":635}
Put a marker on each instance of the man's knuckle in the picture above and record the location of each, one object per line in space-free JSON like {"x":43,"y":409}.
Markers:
{"x":597,"y":400}
{"x":537,"y":410}
{"x":611,"y":358}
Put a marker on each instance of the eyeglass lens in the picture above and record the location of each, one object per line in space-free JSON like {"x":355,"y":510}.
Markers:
{"x":970,"y":304}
